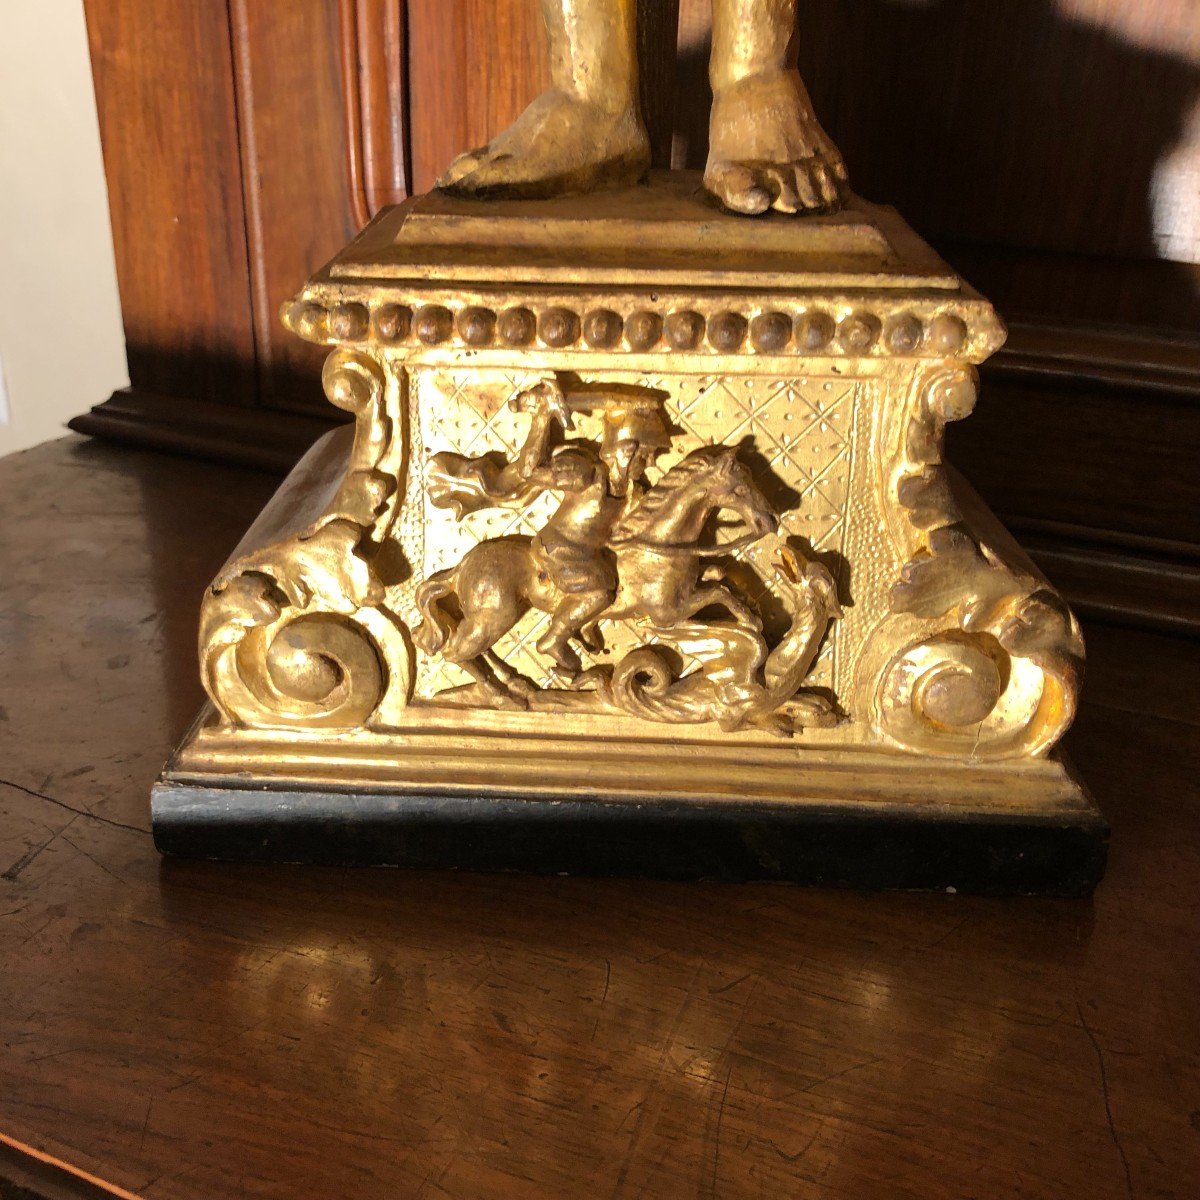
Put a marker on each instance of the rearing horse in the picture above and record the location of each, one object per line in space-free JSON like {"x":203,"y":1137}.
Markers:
{"x":659,"y":565}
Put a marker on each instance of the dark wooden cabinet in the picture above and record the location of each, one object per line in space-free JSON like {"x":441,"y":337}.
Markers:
{"x":1031,"y":142}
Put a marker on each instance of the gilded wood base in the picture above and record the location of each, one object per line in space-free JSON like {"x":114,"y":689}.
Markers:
{"x":642,"y":505}
{"x":482,"y":789}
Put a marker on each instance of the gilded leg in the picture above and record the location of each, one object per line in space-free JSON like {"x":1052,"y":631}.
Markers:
{"x":719,"y":596}
{"x":766,"y":149}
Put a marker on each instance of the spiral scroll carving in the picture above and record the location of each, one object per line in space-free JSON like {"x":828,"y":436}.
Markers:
{"x":319,"y":670}
{"x":300,"y":633}
{"x":981,"y":657}
{"x":970,"y":694}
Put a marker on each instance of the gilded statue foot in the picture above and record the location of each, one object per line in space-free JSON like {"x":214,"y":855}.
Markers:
{"x":766,"y":149}
{"x":560,"y":144}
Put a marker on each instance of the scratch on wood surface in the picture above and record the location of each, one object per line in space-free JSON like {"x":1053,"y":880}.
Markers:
{"x":637,"y":1104}
{"x":79,"y":812}
{"x":1034,"y":1022}
{"x":604,"y":996}
{"x":145,"y":1124}
{"x":838,"y":1074}
{"x":745,"y":1008}
{"x":29,"y":938}
{"x":368,"y":1135}
{"x":430,"y":1182}
{"x":37,"y":1058}
{"x":1112,"y":1128}
{"x":643,"y":1106}
{"x":162,"y":1177}
{"x":937,"y":941}
{"x":713,"y":1175}
{"x":13,"y":873}
{"x":95,"y":861}
{"x":726,"y":987}
{"x":795,"y":1158}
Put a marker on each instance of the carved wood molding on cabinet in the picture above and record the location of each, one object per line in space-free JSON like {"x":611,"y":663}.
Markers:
{"x":374,"y":52}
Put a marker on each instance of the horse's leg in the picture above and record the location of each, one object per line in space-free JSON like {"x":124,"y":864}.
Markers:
{"x":717,"y":594}
{"x":669,"y":590}
{"x":471,"y":650}
{"x":489,"y":609}
{"x":591,"y":637}
{"x":569,"y":617}
{"x":516,"y":683}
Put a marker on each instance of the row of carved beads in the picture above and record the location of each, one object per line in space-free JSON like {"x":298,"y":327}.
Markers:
{"x":810,"y":332}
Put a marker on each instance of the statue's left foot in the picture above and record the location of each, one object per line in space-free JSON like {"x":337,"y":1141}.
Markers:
{"x":767,"y":151}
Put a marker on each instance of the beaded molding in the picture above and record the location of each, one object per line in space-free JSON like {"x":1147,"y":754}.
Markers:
{"x":810,"y":331}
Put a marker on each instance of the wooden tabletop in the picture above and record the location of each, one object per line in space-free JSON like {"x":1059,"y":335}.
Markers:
{"x":183,"y":1030}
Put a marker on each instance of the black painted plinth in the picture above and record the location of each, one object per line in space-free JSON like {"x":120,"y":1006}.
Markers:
{"x":1055,"y":853}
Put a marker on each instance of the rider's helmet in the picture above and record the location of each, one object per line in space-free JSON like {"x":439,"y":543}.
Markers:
{"x":634,"y":433}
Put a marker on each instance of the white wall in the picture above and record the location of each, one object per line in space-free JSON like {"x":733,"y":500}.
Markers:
{"x":61,"y":345}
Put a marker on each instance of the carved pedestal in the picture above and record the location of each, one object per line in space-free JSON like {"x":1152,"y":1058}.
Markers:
{"x":640,"y":556}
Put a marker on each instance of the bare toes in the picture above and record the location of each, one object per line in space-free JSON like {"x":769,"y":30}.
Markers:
{"x":487,"y":169}
{"x":460,"y":168}
{"x":737,"y":188}
{"x":781,"y":183}
{"x":805,"y":189}
{"x":825,"y":183}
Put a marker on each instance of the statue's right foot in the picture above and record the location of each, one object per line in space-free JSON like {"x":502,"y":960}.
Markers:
{"x":559,"y":145}
{"x":767,"y":150}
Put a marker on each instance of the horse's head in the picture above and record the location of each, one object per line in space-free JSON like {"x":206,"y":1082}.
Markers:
{"x":733,"y":488}
{"x":710,"y":479}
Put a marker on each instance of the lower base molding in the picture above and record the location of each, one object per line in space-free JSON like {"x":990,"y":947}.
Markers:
{"x":799,"y":843}
{"x":503,"y":798}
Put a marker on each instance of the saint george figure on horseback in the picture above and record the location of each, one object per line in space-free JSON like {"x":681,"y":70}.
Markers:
{"x":613,"y":548}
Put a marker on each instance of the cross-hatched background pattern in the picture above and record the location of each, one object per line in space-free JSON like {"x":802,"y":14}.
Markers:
{"x":795,"y":434}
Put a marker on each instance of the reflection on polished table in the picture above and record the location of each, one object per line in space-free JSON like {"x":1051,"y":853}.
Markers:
{"x":190,"y":1029}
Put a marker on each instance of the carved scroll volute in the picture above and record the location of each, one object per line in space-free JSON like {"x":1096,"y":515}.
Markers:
{"x":298,"y":633}
{"x":981,"y":658}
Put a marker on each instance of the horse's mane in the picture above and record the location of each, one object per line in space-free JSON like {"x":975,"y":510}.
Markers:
{"x":699,"y":462}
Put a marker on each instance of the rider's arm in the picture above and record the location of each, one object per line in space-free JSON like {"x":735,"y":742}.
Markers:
{"x":546,"y":405}
{"x":532,"y":454}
